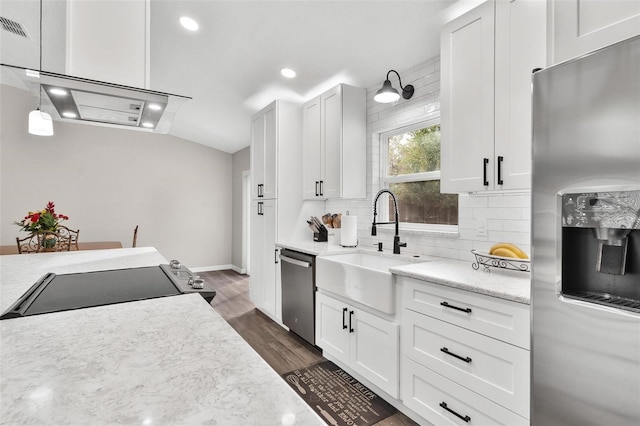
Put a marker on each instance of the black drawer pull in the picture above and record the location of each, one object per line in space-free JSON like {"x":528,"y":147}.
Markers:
{"x":317,"y":191}
{"x":344,"y":323}
{"x":350,"y":327}
{"x":446,"y":351}
{"x":446,"y":305}
{"x":467,"y":419}
{"x":322,"y":188}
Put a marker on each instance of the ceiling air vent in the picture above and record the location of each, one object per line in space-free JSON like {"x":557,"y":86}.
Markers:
{"x":13,"y":27}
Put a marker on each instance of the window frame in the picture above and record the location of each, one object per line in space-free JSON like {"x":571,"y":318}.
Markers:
{"x":410,"y":177}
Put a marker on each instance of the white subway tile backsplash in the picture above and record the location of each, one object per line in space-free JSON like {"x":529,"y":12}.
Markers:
{"x":510,"y":201}
{"x":512,"y":237}
{"x":516,"y":225}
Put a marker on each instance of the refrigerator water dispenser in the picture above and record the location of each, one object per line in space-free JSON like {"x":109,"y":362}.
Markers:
{"x":601,"y":248}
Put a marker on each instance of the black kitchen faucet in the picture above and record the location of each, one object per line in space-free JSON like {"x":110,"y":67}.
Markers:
{"x":396,"y":238}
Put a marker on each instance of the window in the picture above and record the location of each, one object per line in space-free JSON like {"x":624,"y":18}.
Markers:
{"x":411,"y":170}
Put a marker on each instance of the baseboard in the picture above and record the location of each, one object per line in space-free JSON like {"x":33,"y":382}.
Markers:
{"x":239,"y":270}
{"x":218,"y":268}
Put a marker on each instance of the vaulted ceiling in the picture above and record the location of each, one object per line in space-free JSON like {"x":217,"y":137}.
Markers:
{"x":231,"y":65}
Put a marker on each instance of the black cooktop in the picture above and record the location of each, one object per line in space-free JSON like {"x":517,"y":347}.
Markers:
{"x":54,"y":293}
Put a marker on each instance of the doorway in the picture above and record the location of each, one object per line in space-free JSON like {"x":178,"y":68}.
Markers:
{"x":246,"y":222}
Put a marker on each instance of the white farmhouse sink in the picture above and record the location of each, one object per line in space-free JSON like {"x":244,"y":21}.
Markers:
{"x":362,"y":277}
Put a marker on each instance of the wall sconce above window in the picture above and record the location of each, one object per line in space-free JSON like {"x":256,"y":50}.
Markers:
{"x":387,"y":94}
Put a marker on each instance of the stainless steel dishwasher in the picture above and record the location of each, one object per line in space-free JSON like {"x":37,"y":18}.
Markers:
{"x":298,"y":275}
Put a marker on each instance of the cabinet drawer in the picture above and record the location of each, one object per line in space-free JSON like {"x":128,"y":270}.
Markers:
{"x":425,"y":391}
{"x":494,"y":317}
{"x":494,"y":369}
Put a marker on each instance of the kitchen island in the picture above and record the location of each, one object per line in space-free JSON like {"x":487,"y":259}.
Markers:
{"x":170,"y":360}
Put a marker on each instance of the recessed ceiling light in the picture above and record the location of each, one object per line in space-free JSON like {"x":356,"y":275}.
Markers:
{"x":189,"y":23}
{"x":58,"y":92}
{"x":147,"y":124}
{"x":288,"y":72}
{"x":154,"y":107}
{"x":69,"y":114}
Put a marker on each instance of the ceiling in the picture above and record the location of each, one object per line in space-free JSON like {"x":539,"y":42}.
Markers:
{"x":231,"y":65}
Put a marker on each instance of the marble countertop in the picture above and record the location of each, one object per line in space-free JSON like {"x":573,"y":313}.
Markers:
{"x":505,"y":284}
{"x":171,"y":360}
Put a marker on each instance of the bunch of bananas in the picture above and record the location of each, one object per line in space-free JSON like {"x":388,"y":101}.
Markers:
{"x":507,"y":250}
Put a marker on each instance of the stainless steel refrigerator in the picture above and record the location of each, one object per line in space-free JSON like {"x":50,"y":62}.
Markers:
{"x":586,"y":240}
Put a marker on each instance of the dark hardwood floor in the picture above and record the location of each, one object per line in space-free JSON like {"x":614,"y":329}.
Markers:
{"x":282,"y":350}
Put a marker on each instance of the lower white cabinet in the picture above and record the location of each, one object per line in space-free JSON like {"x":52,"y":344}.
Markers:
{"x":444,"y":402}
{"x":464,"y":356}
{"x":366,"y":343}
{"x":265,"y":284}
{"x":494,"y":369}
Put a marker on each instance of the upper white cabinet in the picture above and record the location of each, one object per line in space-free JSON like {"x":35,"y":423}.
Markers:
{"x":334,"y":144}
{"x":487,"y":57}
{"x":580,"y":26}
{"x":263,"y":153}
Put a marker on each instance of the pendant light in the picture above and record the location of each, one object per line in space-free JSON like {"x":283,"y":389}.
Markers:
{"x":387,"y":94}
{"x":40,"y":123}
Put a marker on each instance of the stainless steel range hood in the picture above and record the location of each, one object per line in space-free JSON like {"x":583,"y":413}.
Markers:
{"x":80,"y":100}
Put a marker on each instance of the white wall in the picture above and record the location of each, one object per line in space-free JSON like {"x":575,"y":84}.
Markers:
{"x":241,"y":163}
{"x":507,"y":215}
{"x":110,"y":180}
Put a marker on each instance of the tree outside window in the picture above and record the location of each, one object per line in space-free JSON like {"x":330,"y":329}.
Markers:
{"x":412,"y":172}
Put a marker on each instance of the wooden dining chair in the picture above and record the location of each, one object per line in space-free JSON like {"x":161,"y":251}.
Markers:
{"x":71,"y":235}
{"x":135,"y":237}
{"x":42,"y":242}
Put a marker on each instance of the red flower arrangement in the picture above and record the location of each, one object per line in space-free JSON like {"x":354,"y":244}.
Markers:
{"x":43,"y":220}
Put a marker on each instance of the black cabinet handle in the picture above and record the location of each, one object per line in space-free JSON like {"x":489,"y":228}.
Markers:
{"x":344,"y":322}
{"x":446,"y":305}
{"x":317,"y":190}
{"x":260,"y":210}
{"x":500,"y":158}
{"x":485,"y":162}
{"x":350,"y":327}
{"x":276,"y":256}
{"x":467,"y":419}
{"x":321,"y":188}
{"x":260,"y":190}
{"x":465,"y":359}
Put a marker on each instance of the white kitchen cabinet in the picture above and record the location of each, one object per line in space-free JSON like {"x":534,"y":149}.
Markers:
{"x":263,"y":153}
{"x":472,"y":342}
{"x":334,"y":144}
{"x":487,"y":57}
{"x":263,"y":285}
{"x":444,"y":402}
{"x":366,"y":343}
{"x":275,"y":174}
{"x":578,"y":26}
